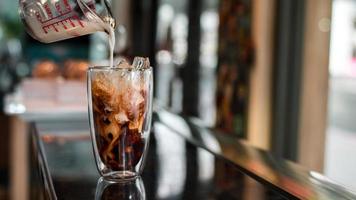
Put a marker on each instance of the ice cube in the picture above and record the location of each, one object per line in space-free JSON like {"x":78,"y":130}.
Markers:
{"x":140,"y":63}
{"x":129,"y":100}
{"x":123,"y":64}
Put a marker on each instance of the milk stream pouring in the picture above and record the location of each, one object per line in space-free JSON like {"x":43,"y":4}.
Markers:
{"x":54,"y":20}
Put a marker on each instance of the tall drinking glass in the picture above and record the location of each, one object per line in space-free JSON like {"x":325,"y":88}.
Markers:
{"x":120,"y":110}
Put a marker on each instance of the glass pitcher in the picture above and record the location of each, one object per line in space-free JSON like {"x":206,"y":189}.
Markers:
{"x":53,"y":20}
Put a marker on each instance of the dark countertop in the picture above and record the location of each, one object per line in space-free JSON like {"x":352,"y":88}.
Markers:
{"x":185,"y":161}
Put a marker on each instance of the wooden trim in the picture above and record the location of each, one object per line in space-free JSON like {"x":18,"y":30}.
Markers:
{"x":260,"y":99}
{"x":314,"y":85}
{"x":19,"y":174}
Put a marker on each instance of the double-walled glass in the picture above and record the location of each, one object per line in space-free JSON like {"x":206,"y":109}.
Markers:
{"x":120,"y":110}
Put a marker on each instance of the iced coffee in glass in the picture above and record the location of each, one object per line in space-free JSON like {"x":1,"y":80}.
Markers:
{"x":120,"y":109}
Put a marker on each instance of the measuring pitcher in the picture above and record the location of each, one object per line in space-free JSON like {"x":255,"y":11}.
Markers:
{"x":53,"y":20}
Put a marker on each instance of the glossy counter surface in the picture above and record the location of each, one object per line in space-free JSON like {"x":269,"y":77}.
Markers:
{"x":185,"y":161}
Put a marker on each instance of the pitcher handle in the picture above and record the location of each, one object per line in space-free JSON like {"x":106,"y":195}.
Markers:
{"x":90,"y":14}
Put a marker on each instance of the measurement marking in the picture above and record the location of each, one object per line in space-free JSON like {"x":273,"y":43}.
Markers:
{"x":62,"y":23}
{"x":67,"y":5}
{"x":44,"y":29}
{"x":58,"y":7}
{"x":71,"y":22}
{"x":65,"y":27}
{"x":77,"y":18}
{"x":48,"y":10}
{"x":55,"y":28}
{"x":56,"y":17}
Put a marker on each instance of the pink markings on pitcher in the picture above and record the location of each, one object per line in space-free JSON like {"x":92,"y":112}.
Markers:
{"x":79,"y":21}
{"x":64,"y":26}
{"x":44,"y":29}
{"x":63,"y":23}
{"x":58,"y":7}
{"x":71,"y":22}
{"x":67,"y":5}
{"x":48,"y":10}
{"x":55,"y":28}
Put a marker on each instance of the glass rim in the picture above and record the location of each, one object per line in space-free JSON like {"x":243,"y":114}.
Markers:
{"x":107,"y":68}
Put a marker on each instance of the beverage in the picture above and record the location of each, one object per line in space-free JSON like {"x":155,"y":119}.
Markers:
{"x":120,"y":116}
{"x":119,"y":96}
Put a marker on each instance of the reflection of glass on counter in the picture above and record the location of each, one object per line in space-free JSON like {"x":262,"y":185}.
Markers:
{"x":133,"y":189}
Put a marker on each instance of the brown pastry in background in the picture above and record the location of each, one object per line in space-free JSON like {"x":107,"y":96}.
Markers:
{"x":75,"y":69}
{"x":46,"y":69}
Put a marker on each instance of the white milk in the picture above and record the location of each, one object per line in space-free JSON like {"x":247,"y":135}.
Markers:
{"x":111,"y":43}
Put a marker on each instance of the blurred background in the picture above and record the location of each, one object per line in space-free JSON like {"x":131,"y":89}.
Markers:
{"x":278,"y":74}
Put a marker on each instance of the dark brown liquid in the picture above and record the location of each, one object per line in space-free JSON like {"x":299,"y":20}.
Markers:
{"x":125,"y":152}
{"x":118,"y":126}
